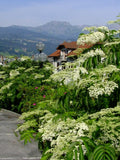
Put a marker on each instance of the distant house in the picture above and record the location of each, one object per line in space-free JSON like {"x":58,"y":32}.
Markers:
{"x":65,"y":53}
{"x":5,"y":60}
{"x":63,"y":50}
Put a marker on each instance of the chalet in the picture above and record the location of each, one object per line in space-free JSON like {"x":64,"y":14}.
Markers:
{"x":63,"y":50}
{"x":65,"y":53}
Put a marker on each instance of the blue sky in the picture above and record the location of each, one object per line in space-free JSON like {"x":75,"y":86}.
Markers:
{"x":39,"y":12}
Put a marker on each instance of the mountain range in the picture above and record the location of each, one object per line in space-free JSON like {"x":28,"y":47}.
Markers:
{"x":22,"y":40}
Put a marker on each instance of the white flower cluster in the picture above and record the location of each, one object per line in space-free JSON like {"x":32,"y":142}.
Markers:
{"x":38,"y":76}
{"x":48,"y":67}
{"x":76,"y":74}
{"x":89,"y":54}
{"x":83,"y":70}
{"x":91,"y":38}
{"x":84,"y":83}
{"x":14,"y":73}
{"x":32,"y":113}
{"x":102,"y":29}
{"x":70,"y":75}
{"x":3,"y":76}
{"x":27,"y":124}
{"x":109,"y":123}
{"x":101,"y":88}
{"x":94,"y":28}
{"x":105,"y":112}
{"x":20,"y":68}
{"x":59,"y":76}
{"x":93,"y":53}
{"x":29,"y":69}
{"x":31,"y":121}
{"x":97,"y":76}
{"x":9,"y":94}
{"x":104,"y":72}
{"x":61,"y":134}
{"x":112,"y":43}
{"x":110,"y":131}
{"x":73,"y":74}
{"x":2,"y":72}
{"x":7,"y":86}
{"x":24,"y":58}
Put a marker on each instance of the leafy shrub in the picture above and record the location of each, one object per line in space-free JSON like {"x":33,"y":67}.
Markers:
{"x":28,"y":86}
{"x":65,"y":113}
{"x":57,"y":137}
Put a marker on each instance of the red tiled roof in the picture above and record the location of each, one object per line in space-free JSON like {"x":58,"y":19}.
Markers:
{"x":55,"y":54}
{"x":70,"y":45}
{"x":85,"y":46}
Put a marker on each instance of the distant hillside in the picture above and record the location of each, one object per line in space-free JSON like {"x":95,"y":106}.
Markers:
{"x":63,"y":30}
{"x":15,"y":40}
{"x":21,"y":40}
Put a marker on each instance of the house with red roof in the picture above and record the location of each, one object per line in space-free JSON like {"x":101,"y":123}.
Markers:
{"x":60,"y":55}
{"x":65,"y":52}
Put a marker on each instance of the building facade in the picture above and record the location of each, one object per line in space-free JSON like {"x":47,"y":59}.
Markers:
{"x":62,"y":54}
{"x":66,"y":52}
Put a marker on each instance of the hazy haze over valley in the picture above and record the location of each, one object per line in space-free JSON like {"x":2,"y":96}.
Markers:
{"x":24,"y":23}
{"x":21,"y":40}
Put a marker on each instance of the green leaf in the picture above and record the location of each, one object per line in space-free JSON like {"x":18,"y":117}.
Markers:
{"x":27,"y":136}
{"x":97,"y":151}
{"x":81,"y":157}
{"x":75,"y":152}
{"x":46,"y":156}
{"x":107,"y":157}
{"x":89,"y":144}
{"x":103,"y":151}
{"x":100,"y":156}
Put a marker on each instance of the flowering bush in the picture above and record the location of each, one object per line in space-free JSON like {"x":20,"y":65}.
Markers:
{"x":102,"y":127}
{"x":72,"y":113}
{"x":18,"y":87}
{"x":92,"y":38}
{"x":102,"y":88}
